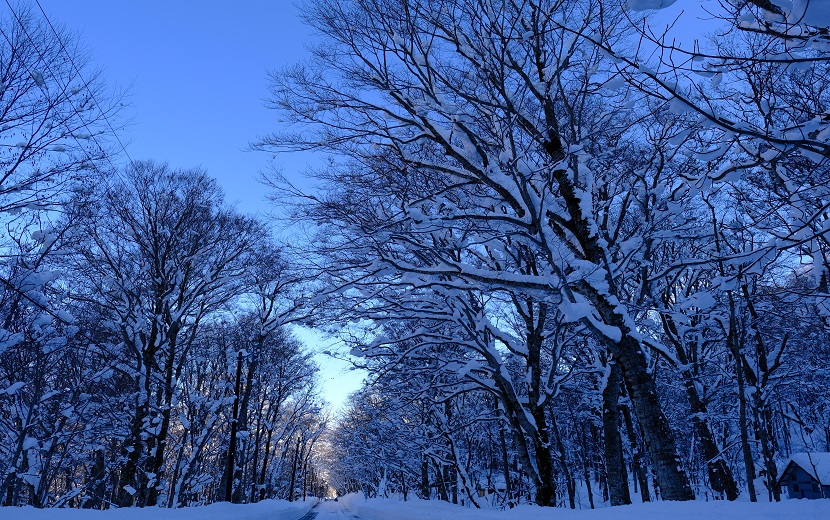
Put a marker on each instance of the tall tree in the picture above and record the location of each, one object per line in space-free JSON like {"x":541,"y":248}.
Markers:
{"x":159,"y":254}
{"x":54,"y":122}
{"x":483,"y":122}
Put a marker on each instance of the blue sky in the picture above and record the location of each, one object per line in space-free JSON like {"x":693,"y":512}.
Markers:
{"x":196,"y":75}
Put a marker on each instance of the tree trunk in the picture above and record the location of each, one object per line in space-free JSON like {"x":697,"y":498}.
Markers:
{"x":505,"y":464}
{"x":266,"y":453}
{"x":636,"y":456}
{"x":616,"y":474}
{"x":720,"y":476}
{"x":764,"y":432}
{"x":439,"y":482}
{"x":425,"y":494}
{"x":297,"y":455}
{"x":658,"y":436}
{"x":743,"y":422}
{"x":159,"y":442}
{"x":746,"y":448}
{"x":230,"y":468}
{"x":98,"y":489}
{"x":242,"y":425}
{"x":453,"y":479}
{"x":305,"y":474}
{"x":563,"y":464}
{"x":264,"y":470}
{"x":255,"y":461}
{"x":626,"y":349}
{"x":546,"y":485}
{"x":586,"y":469}
{"x":133,"y":446}
{"x":761,"y":409}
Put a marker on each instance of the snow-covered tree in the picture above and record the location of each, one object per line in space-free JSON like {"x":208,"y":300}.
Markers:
{"x":483,"y":129}
{"x":159,"y":254}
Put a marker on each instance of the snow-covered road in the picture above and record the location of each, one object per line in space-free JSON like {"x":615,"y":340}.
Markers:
{"x":329,"y":510}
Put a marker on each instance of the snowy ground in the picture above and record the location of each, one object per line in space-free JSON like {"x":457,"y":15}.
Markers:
{"x":265,"y":510}
{"x":386,"y":509}
{"x":354,"y":507}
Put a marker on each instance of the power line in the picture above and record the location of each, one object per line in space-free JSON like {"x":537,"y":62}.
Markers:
{"x":45,"y":62}
{"x":78,"y":72}
{"x":70,"y":131}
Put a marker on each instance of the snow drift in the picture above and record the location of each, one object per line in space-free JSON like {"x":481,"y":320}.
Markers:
{"x":387,"y":509}
{"x":265,"y":510}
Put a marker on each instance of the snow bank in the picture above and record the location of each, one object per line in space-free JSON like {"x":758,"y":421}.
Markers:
{"x":387,"y":509}
{"x":265,"y":510}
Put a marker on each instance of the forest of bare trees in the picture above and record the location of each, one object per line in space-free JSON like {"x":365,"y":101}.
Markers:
{"x":582,"y":257}
{"x":144,"y":355}
{"x":578,"y":263}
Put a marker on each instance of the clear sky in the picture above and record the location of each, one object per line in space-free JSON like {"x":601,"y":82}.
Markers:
{"x":196,"y":75}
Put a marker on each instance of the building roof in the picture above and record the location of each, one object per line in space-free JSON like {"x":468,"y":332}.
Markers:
{"x":817,"y":464}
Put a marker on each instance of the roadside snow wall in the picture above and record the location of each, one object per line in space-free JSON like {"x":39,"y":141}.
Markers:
{"x":389,"y":509}
{"x":265,"y":510}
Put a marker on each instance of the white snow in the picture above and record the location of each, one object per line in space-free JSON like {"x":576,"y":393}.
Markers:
{"x":37,"y":76}
{"x":811,"y":12}
{"x":265,"y":510}
{"x":644,"y":5}
{"x":414,"y":509}
{"x":11,"y":390}
{"x":816,"y":464}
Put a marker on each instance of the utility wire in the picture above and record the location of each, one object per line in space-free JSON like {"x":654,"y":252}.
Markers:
{"x":64,"y":88}
{"x":69,"y":129}
{"x":78,"y":72}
